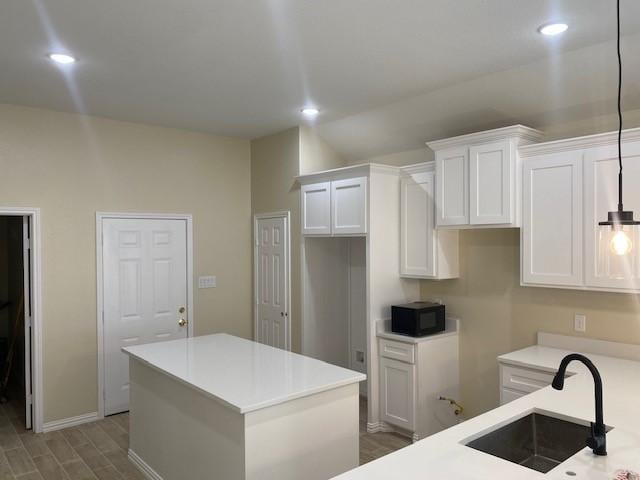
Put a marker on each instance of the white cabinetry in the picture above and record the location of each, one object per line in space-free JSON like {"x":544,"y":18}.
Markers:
{"x":516,"y":382}
{"x":397,"y":387}
{"x":569,"y":186}
{"x":349,"y":206}
{"x":424,"y":251}
{"x":414,"y":373}
{"x":452,"y":173}
{"x":479,"y":177}
{"x":603,"y":269}
{"x":316,"y":208}
{"x":552,"y":219}
{"x":335,"y":207}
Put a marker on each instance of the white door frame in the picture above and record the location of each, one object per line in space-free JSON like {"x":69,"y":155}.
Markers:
{"x":36,"y":310}
{"x":100,"y":217}
{"x":287,"y":269}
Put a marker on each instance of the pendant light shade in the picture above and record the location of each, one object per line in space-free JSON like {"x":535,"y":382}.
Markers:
{"x":620,"y":223}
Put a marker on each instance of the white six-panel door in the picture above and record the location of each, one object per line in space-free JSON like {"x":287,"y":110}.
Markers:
{"x":272,"y":312}
{"x":144,"y":294}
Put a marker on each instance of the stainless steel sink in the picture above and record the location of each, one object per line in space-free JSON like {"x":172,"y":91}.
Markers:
{"x":537,"y":441}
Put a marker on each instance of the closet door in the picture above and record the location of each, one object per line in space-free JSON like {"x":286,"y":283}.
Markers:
{"x":316,"y":208}
{"x":552,"y":220}
{"x":603,"y":268}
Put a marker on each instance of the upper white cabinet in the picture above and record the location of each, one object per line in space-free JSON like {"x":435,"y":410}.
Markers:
{"x":492,"y":189}
{"x":479,"y":177}
{"x":569,"y":186}
{"x":424,"y":251}
{"x":335,"y":202}
{"x":349,"y":206}
{"x":316,"y":208}
{"x":552,"y":219}
{"x":604,"y":269}
{"x":452,"y":173}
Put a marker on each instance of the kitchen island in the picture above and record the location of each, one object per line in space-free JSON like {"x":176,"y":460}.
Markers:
{"x":445,"y":455}
{"x":223,"y":407}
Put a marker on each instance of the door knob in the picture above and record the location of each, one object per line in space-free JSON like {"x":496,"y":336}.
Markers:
{"x":182,"y":322}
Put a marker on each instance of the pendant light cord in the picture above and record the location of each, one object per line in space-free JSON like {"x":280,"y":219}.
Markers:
{"x":620,"y":207}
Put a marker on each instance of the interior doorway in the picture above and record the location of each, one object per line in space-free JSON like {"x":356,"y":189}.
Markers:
{"x":16,"y":313}
{"x":145,"y":292}
{"x":271,"y":273}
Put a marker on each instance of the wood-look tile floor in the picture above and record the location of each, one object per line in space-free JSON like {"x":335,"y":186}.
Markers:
{"x":98,"y":450}
{"x":94,"y":451}
{"x":376,"y":445}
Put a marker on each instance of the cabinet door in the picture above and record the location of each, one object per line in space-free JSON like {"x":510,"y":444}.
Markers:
{"x":398,"y":393}
{"x":316,"y":209}
{"x":491,"y":185}
{"x":552,"y":220}
{"x":349,"y":206}
{"x":452,"y":190}
{"x":507,"y":395}
{"x":417,"y":252}
{"x":602,"y":267}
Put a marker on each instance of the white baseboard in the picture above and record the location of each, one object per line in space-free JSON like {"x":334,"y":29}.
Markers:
{"x":379,"y":427}
{"x":144,"y":468}
{"x":70,"y":422}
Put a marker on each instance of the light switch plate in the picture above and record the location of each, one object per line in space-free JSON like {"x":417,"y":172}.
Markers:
{"x":208,"y":281}
{"x":580,"y":323}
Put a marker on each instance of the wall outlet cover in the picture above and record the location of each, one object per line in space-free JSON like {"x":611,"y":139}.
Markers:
{"x":580,"y":323}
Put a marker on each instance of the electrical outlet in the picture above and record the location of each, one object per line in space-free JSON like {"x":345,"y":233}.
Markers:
{"x":580,"y":323}
{"x":207,"y":282}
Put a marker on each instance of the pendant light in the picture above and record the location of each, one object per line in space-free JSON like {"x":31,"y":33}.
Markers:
{"x":620,"y":221}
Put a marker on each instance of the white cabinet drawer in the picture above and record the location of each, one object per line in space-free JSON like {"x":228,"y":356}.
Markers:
{"x":507,"y":395}
{"x":523,"y":379}
{"x":403,"y":352}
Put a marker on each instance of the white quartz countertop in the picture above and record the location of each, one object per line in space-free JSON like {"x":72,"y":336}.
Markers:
{"x":244,"y":375}
{"x":444,"y":456}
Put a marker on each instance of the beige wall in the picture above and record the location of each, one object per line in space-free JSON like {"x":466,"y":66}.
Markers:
{"x":400,"y":159}
{"x":316,"y":154}
{"x":72,"y":166}
{"x":498,"y":315}
{"x":275,"y":162}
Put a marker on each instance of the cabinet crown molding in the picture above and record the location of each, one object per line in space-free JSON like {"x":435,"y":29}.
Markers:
{"x":418,"y":168}
{"x":362,"y":170}
{"x":578,"y":143}
{"x":526,"y":134}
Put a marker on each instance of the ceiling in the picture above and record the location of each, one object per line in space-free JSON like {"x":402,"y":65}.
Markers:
{"x":387,"y":75}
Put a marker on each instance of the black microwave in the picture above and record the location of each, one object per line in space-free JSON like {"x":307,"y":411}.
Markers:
{"x":417,"y":319}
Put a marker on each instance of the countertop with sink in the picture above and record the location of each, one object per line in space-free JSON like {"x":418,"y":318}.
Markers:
{"x":446,"y":456}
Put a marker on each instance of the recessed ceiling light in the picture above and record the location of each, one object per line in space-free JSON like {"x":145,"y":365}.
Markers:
{"x":310,"y":111}
{"x":553,"y":28}
{"x":62,"y":58}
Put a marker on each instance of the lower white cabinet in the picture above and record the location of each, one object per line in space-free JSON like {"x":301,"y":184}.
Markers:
{"x":414,"y":373}
{"x":515,"y":382}
{"x":424,"y":251}
{"x":397,"y":387}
